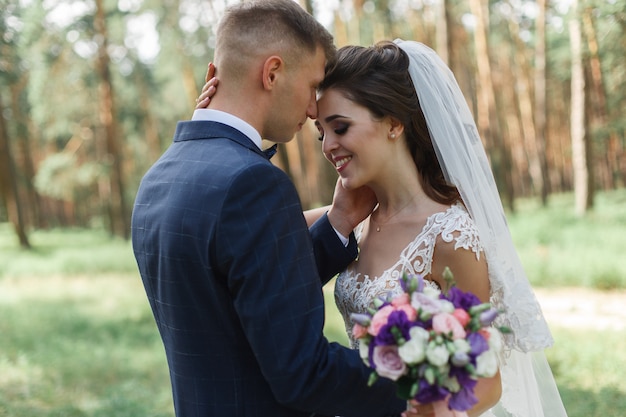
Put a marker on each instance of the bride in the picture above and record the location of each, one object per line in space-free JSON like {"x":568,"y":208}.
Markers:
{"x":393,"y":121}
{"x":393,"y":118}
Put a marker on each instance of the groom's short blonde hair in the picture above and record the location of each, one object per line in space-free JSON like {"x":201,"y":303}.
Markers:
{"x":262,"y":27}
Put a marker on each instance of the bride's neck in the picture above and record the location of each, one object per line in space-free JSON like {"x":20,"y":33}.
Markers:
{"x":399,"y":203}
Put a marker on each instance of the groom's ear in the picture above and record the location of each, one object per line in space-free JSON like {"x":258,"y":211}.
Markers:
{"x":272,"y":69}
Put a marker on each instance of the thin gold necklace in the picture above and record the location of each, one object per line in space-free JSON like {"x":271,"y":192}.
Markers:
{"x":378,"y":224}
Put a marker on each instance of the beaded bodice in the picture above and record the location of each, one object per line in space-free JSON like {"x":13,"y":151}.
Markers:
{"x":355,"y":291}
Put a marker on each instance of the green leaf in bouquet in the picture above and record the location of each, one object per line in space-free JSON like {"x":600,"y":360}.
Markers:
{"x":406,"y":387}
{"x":448,"y":277}
{"x":372,"y":379}
{"x":430,"y":375}
{"x":397,"y":335}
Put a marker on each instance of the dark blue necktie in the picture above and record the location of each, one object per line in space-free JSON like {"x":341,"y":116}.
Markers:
{"x":271,"y":151}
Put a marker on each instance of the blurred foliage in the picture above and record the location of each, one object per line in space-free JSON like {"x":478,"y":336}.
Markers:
{"x":51,"y":88}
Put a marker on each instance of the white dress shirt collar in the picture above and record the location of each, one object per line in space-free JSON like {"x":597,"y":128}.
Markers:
{"x":230,"y":120}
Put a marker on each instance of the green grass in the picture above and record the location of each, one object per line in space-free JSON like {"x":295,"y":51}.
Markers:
{"x":589,"y":369}
{"x":80,"y":346}
{"x":77,"y":337}
{"x":64,"y":252}
{"x":559,"y":249}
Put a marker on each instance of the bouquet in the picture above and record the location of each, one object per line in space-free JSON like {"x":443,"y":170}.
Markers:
{"x":433,"y":344}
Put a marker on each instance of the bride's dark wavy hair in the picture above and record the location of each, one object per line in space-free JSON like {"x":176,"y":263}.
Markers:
{"x":377,"y":78}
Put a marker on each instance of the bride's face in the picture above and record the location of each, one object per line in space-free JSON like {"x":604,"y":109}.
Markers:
{"x":353,"y":140}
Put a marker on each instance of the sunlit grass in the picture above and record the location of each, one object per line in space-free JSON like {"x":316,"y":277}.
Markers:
{"x":88,"y":346}
{"x":557,"y":248}
{"x":589,"y":368}
{"x":80,"y":346}
{"x":64,"y":252}
{"x":77,"y":338}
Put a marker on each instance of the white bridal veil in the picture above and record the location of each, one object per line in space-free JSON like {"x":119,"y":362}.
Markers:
{"x":528,"y":386}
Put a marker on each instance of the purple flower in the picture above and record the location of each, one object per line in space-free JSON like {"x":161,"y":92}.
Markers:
{"x":388,"y":362}
{"x":463,"y":377}
{"x":487,"y":317}
{"x":460,"y":359}
{"x":460,"y":299}
{"x":430,"y":393}
{"x":462,"y":400}
{"x":478,"y":344}
{"x":399,"y":320}
{"x":411,"y":283}
{"x":362,"y":319}
{"x":405,"y":282}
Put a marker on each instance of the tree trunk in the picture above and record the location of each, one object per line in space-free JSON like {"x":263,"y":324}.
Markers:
{"x":512,"y":126}
{"x":600,"y":114}
{"x":559,"y":149}
{"x":8,"y":185}
{"x":295,"y":167}
{"x":23,"y":159}
{"x":153,"y":140}
{"x":580,"y":155}
{"x":540,"y":99}
{"x":119,"y":221}
{"x":521,"y":73}
{"x":311,"y":151}
{"x":487,"y":113}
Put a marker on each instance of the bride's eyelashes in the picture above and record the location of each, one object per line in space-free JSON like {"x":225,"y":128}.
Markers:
{"x":340,"y":130}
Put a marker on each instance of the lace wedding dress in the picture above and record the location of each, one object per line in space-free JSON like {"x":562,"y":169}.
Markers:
{"x":354,"y":291}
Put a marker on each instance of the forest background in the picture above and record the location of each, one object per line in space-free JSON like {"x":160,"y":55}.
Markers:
{"x":90,"y":93}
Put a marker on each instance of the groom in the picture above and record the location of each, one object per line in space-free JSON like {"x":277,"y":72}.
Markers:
{"x":227,"y":261}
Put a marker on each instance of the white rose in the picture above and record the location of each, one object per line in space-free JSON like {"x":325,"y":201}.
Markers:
{"x":438,"y":355}
{"x":487,"y":364}
{"x":413,"y":351}
{"x":461,"y":345}
{"x":420,"y":333}
{"x":446,"y":306}
{"x":431,"y":292}
{"x":495,"y":339}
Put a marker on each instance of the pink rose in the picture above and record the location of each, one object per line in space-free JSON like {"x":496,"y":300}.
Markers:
{"x":462,"y":316}
{"x":444,"y":323}
{"x":411,"y":314}
{"x":401,"y":300}
{"x":358,"y":331}
{"x":380,"y":319}
{"x":388,"y":362}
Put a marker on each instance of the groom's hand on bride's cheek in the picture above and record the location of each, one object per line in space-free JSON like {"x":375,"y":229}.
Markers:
{"x":350,"y":207}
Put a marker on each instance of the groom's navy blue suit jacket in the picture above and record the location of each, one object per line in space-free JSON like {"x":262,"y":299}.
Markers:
{"x":229,"y":269}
